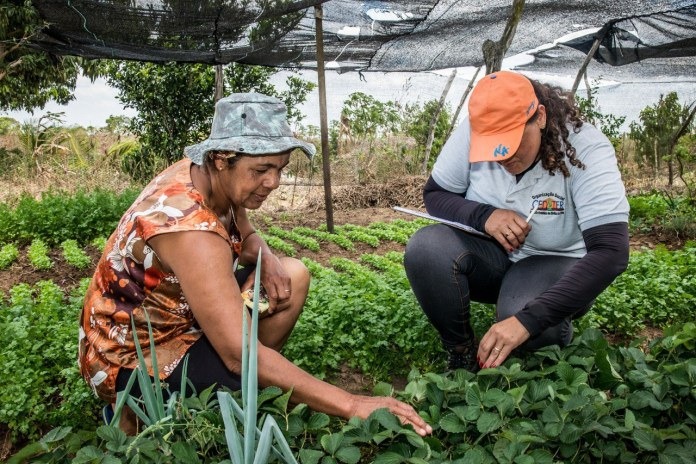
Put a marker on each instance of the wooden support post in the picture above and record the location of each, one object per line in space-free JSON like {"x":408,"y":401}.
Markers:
{"x":433,"y":121}
{"x":494,"y":52}
{"x":462,"y":101}
{"x":586,"y":63}
{"x":219,"y":83}
{"x":323,"y":118}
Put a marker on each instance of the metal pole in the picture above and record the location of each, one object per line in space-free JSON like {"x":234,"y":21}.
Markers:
{"x":323,"y":123}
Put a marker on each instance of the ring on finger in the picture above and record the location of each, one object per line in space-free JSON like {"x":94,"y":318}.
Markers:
{"x":497,"y":350}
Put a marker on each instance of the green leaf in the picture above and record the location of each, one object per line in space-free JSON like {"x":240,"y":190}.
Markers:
{"x":451,"y":423}
{"x":283,"y":400}
{"x":348,"y":454}
{"x":575,"y":402}
{"x":646,"y":439}
{"x":488,"y":422}
{"x":629,"y":419}
{"x":571,"y":433}
{"x":387,"y":419}
{"x":383,"y":389}
{"x":473,"y":396}
{"x":112,"y":434}
{"x":296,"y":425}
{"x":607,"y":377}
{"x":493,"y":397}
{"x":310,"y":456}
{"x":268,"y":393}
{"x":56,"y":434}
{"x":318,"y":421}
{"x":185,"y":453}
{"x":332,"y":442}
{"x":477,"y":455}
{"x":523,"y":459}
{"x":389,"y":457}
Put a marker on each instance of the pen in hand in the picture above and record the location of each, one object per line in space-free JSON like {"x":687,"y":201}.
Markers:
{"x":532,"y":213}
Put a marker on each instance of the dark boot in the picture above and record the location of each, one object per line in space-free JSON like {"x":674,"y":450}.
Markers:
{"x":463,"y":357}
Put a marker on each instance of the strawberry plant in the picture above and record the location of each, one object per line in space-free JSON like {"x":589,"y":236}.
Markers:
{"x":658,"y":288}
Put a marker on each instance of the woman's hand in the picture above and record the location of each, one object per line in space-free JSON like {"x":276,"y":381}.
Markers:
{"x":508,"y":228}
{"x":275,"y":281}
{"x":363,"y":406}
{"x":499,"y":341}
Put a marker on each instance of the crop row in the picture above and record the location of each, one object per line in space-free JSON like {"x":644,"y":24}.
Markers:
{"x":588,"y":402}
{"x":344,"y":236}
{"x":38,"y":254}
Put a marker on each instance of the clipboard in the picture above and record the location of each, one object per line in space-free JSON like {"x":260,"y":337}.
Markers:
{"x":456,"y":225}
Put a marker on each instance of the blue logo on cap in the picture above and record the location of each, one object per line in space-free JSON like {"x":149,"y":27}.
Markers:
{"x":500,"y":150}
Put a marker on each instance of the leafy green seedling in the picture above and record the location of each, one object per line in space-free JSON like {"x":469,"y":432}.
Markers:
{"x":8,"y":255}
{"x":74,"y":255}
{"x":38,"y":255}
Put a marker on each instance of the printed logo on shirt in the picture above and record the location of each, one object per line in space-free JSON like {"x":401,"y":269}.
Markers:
{"x":548,"y":204}
{"x":500,"y":150}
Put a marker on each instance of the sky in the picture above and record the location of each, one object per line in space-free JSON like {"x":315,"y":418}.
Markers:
{"x":93,"y":104}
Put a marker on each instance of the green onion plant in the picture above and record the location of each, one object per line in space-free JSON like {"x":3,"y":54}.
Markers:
{"x":245,"y":448}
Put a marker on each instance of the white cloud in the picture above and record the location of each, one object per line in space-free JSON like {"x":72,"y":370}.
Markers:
{"x":94,"y":102}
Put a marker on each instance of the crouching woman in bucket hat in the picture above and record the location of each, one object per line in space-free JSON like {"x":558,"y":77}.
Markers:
{"x":546,"y":188}
{"x":175,"y":256}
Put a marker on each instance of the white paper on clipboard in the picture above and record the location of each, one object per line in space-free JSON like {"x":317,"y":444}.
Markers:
{"x":456,"y":225}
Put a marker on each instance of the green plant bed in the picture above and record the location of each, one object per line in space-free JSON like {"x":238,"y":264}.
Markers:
{"x":657,"y":289}
{"x":40,"y":385}
{"x":589,"y":402}
{"x":60,"y":216}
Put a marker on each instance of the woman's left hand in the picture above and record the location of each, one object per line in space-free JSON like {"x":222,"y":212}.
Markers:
{"x":499,"y":341}
{"x":275,"y":281}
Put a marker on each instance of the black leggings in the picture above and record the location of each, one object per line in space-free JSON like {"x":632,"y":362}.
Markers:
{"x":448,"y":269}
{"x":205,"y":367}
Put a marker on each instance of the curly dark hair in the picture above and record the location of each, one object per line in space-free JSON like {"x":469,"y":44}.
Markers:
{"x":561,"y":110}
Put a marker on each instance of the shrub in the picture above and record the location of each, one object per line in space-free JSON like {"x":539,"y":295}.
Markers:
{"x":58,"y":216}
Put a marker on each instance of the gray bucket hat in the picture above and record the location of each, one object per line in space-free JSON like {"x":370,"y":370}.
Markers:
{"x":250,"y":123}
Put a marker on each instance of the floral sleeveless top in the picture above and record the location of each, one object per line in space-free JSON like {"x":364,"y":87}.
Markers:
{"x":130,"y":281}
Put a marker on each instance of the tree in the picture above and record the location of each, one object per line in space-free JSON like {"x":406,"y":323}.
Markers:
{"x":417,"y":125}
{"x":591,"y":112}
{"x":174,"y":104}
{"x":658,"y":126}
{"x":30,"y":78}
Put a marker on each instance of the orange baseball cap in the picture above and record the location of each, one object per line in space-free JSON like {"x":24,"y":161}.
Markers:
{"x":499,"y":107}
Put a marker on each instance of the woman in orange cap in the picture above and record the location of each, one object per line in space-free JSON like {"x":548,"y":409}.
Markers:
{"x":546,"y":188}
